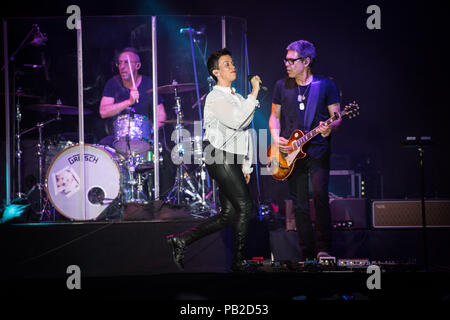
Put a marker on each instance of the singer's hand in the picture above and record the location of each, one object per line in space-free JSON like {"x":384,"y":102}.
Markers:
{"x":256,"y":85}
{"x":134,"y":96}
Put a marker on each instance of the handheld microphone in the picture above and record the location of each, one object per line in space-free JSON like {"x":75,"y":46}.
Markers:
{"x":188,"y":30}
{"x":250,"y":77}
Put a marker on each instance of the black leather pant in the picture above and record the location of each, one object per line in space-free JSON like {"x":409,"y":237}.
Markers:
{"x":235,"y":201}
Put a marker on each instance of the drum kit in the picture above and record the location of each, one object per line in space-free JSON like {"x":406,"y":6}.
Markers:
{"x":113,"y":174}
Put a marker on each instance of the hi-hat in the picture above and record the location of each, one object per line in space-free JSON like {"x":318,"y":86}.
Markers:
{"x":53,"y":108}
{"x":181,"y":87}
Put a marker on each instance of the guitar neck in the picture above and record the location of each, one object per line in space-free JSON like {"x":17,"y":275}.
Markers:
{"x":314,"y":132}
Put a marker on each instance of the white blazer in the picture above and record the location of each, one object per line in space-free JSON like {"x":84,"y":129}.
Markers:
{"x":226,"y":117}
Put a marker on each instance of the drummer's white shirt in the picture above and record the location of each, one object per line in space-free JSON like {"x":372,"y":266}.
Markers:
{"x":226,"y":116}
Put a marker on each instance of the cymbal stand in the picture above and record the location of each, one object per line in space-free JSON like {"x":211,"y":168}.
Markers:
{"x":20,"y":195}
{"x":204,"y":176}
{"x":183,"y":184}
{"x":180,"y":169}
{"x":130,"y":165}
{"x":40,"y":153}
{"x":189,"y":190}
{"x":205,"y":203}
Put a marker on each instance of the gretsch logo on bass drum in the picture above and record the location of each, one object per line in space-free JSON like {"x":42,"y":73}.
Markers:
{"x":87,"y":157}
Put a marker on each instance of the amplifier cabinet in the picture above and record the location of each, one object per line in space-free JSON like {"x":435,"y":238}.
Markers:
{"x":408,"y":213}
{"x":349,"y":213}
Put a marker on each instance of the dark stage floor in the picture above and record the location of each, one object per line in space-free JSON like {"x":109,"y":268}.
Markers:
{"x":131,"y":261}
{"x":262,"y":286}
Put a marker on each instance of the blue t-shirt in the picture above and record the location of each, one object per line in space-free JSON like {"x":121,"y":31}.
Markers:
{"x":114,"y":88}
{"x":286,"y":94}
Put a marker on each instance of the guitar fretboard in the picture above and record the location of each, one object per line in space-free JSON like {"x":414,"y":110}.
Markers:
{"x":314,"y":132}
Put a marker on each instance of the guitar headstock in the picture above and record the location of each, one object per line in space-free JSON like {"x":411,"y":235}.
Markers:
{"x":351,"y":110}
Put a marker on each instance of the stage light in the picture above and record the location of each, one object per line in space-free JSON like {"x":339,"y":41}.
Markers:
{"x":12,"y":211}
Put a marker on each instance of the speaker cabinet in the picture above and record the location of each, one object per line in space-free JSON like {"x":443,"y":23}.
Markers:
{"x":350,"y":213}
{"x":408,"y":213}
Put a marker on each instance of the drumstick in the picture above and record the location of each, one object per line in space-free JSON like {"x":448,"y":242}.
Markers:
{"x":132,"y":77}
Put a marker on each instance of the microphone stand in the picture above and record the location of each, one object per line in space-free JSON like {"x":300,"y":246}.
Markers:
{"x":22,"y":44}
{"x":419,"y":143}
{"x":18,"y":153}
{"x":420,"y":149}
{"x":258,"y":185}
{"x":16,"y":146}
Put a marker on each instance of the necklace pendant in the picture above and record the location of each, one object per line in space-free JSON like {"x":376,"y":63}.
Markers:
{"x":300,"y":98}
{"x":301,"y":106}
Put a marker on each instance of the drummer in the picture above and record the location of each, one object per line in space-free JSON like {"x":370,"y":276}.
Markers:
{"x":120,"y":97}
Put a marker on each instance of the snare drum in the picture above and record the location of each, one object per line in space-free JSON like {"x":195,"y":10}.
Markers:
{"x":132,"y":133}
{"x":102,"y":181}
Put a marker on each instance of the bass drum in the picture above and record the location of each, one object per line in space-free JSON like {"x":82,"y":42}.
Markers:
{"x":102,"y":181}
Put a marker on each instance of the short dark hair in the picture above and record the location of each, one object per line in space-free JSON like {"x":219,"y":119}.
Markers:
{"x":127,"y":49}
{"x":213,"y":61}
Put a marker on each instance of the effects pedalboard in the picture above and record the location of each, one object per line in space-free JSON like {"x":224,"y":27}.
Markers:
{"x":329,"y":264}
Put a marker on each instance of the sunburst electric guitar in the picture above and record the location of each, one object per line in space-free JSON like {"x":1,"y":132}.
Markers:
{"x":282,"y":164}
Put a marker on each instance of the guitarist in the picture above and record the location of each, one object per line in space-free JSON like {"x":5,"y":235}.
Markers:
{"x":304,"y":101}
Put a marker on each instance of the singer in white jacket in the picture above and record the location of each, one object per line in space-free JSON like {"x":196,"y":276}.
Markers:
{"x":228,"y":153}
{"x":226,"y":118}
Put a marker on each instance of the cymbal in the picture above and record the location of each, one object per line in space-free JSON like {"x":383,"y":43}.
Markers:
{"x":23,"y":95}
{"x":26,"y":95}
{"x":181,"y":87}
{"x":53,"y":108}
{"x":174,"y":121}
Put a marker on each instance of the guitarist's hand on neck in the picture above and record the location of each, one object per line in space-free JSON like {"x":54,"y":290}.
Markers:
{"x":324,"y":129}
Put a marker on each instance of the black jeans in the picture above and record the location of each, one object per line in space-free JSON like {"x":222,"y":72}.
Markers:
{"x":235,"y":201}
{"x":319,"y":170}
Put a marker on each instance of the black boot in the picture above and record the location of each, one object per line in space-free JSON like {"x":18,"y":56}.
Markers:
{"x":240,"y":230}
{"x":180,"y":241}
{"x":178,"y":244}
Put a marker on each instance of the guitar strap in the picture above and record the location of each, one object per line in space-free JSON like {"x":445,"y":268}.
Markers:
{"x":311,"y":104}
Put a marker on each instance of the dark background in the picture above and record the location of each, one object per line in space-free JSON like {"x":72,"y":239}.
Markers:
{"x":396,"y":74}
